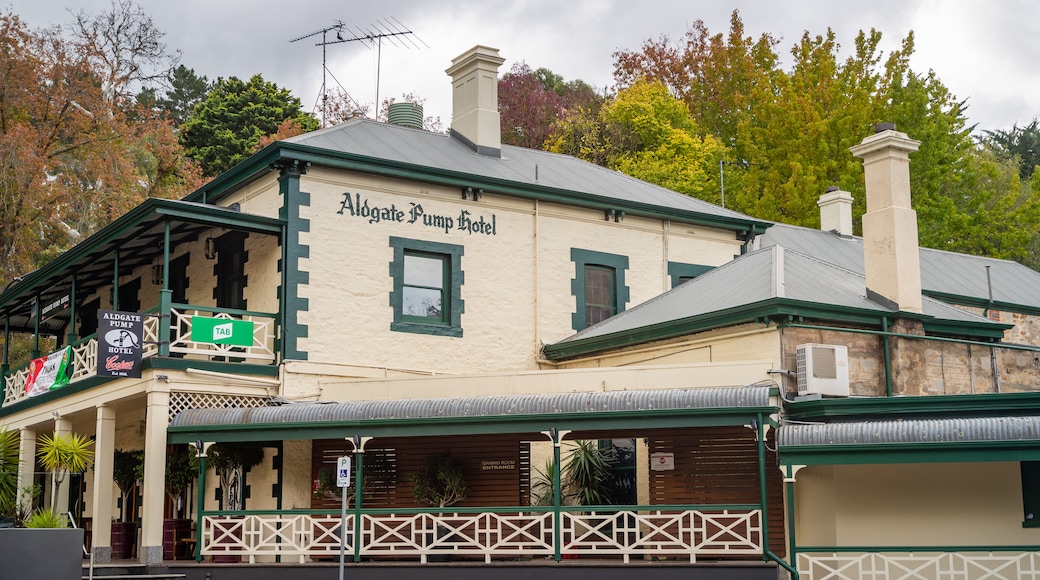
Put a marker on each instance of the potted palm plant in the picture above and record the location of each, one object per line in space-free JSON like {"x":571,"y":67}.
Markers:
{"x":440,"y":483}
{"x":181,"y":470}
{"x":231,"y":461}
{"x":127,"y":469}
{"x":47,"y":548}
{"x":8,"y":477}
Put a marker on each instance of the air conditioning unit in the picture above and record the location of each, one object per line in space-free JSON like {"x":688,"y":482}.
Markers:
{"x":823,"y":369}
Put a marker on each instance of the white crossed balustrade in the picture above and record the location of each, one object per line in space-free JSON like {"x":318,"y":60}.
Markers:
{"x":85,"y":352}
{"x":920,"y":565}
{"x":490,"y":535}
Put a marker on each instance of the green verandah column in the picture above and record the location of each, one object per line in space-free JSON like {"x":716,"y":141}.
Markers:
{"x":165,"y":295}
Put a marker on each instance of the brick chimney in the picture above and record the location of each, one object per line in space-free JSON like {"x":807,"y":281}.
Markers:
{"x":836,"y":211}
{"x":890,"y":252}
{"x":474,"y":117}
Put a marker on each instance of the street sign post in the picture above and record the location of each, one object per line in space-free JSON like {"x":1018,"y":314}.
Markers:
{"x":342,"y":482}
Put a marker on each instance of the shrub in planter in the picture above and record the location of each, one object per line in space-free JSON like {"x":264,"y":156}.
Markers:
{"x":231,"y":461}
{"x":440,"y":483}
{"x":127,"y":468}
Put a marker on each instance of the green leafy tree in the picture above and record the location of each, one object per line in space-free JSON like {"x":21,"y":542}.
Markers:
{"x":1019,"y":143}
{"x":657,"y":141}
{"x":186,"y":90}
{"x":224,"y":128}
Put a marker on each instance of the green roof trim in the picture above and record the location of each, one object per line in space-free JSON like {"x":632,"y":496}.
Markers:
{"x":262,"y":161}
{"x":413,"y":427}
{"x":981,"y":303}
{"x":989,"y":404}
{"x":777,"y":310}
{"x":937,"y":452}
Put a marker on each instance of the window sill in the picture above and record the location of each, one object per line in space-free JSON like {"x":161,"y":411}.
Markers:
{"x":432,"y":329}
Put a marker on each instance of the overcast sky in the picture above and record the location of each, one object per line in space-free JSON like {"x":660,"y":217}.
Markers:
{"x":985,"y":51}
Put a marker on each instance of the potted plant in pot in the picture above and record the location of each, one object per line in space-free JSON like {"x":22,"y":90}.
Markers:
{"x":127,"y":469}
{"x":48,"y":549}
{"x":440,"y":483}
{"x":231,"y":461}
{"x":181,"y":470}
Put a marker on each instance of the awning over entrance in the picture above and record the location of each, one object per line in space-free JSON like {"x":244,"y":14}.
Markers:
{"x":961,"y":439}
{"x":474,"y":415}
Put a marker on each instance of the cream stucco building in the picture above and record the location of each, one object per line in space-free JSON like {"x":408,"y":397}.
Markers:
{"x":407,"y":295}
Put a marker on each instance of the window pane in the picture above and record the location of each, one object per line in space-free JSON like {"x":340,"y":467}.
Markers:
{"x":599,"y":294}
{"x":423,"y":271}
{"x":423,"y":302}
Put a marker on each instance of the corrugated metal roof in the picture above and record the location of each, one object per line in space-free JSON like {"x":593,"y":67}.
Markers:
{"x":960,"y":430}
{"x":772,"y":272}
{"x":459,"y":407}
{"x":529,"y":167}
{"x":941,"y":272}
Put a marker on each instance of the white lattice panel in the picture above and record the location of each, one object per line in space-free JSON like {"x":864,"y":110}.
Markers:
{"x":920,"y":566}
{"x":180,"y":401}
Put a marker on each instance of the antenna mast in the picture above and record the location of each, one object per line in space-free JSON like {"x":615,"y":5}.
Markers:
{"x":391,"y":29}
{"x":338,"y":27}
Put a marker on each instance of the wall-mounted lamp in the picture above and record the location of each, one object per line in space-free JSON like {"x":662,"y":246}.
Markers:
{"x":475,"y":192}
{"x":157,"y":274}
{"x":211,"y":248}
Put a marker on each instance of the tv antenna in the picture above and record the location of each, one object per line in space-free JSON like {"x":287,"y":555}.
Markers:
{"x":372,"y":36}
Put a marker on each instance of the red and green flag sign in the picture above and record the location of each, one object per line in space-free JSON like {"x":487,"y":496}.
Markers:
{"x":48,"y":373}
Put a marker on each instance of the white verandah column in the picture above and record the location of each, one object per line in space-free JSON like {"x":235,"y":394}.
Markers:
{"x":104,"y":449}
{"x":157,"y":419}
{"x":26,"y":462}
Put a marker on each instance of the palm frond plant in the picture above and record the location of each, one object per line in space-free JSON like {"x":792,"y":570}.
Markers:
{"x":46,"y":518}
{"x":587,"y":471}
{"x":61,"y":454}
{"x":9,"y":443}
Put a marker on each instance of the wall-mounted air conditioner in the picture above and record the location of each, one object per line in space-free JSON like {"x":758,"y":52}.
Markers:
{"x":823,"y":369}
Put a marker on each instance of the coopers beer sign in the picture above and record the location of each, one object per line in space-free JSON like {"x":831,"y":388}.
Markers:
{"x":119,"y":344}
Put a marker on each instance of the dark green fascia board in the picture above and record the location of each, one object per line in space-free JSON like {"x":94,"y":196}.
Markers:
{"x":148,"y":363}
{"x":263,"y":161}
{"x":932,"y":452}
{"x":772,"y":309}
{"x":150,"y":208}
{"x":441,"y":426}
{"x":915,"y":406}
{"x":976,"y":302}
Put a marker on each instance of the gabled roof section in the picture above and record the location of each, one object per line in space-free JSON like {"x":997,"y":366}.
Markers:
{"x":774,"y":281}
{"x":395,"y":151}
{"x":948,"y":276}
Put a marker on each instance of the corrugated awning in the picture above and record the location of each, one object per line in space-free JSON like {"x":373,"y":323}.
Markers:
{"x":467,"y":415}
{"x":960,"y":439}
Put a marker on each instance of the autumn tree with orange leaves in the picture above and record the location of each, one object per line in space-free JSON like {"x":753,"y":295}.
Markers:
{"x":76,"y":150}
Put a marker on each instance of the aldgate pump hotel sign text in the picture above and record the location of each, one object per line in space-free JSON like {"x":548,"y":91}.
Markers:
{"x":360,"y":207}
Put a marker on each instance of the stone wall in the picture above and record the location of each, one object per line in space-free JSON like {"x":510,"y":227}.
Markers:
{"x":920,"y":367}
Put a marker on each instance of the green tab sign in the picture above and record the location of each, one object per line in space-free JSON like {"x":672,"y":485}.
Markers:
{"x":221,"y":331}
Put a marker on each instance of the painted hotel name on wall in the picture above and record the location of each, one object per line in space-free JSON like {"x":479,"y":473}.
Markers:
{"x":356,"y":206}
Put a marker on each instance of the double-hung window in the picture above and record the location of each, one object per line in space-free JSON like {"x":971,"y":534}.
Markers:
{"x":598,"y":286}
{"x":427,"y":294}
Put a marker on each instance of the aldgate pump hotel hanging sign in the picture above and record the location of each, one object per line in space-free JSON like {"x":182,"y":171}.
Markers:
{"x":119,"y":344}
{"x":373,"y":213}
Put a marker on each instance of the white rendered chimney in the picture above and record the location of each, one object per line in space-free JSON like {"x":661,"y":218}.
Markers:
{"x":890,"y":253}
{"x":836,"y":211}
{"x":474,"y":117}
